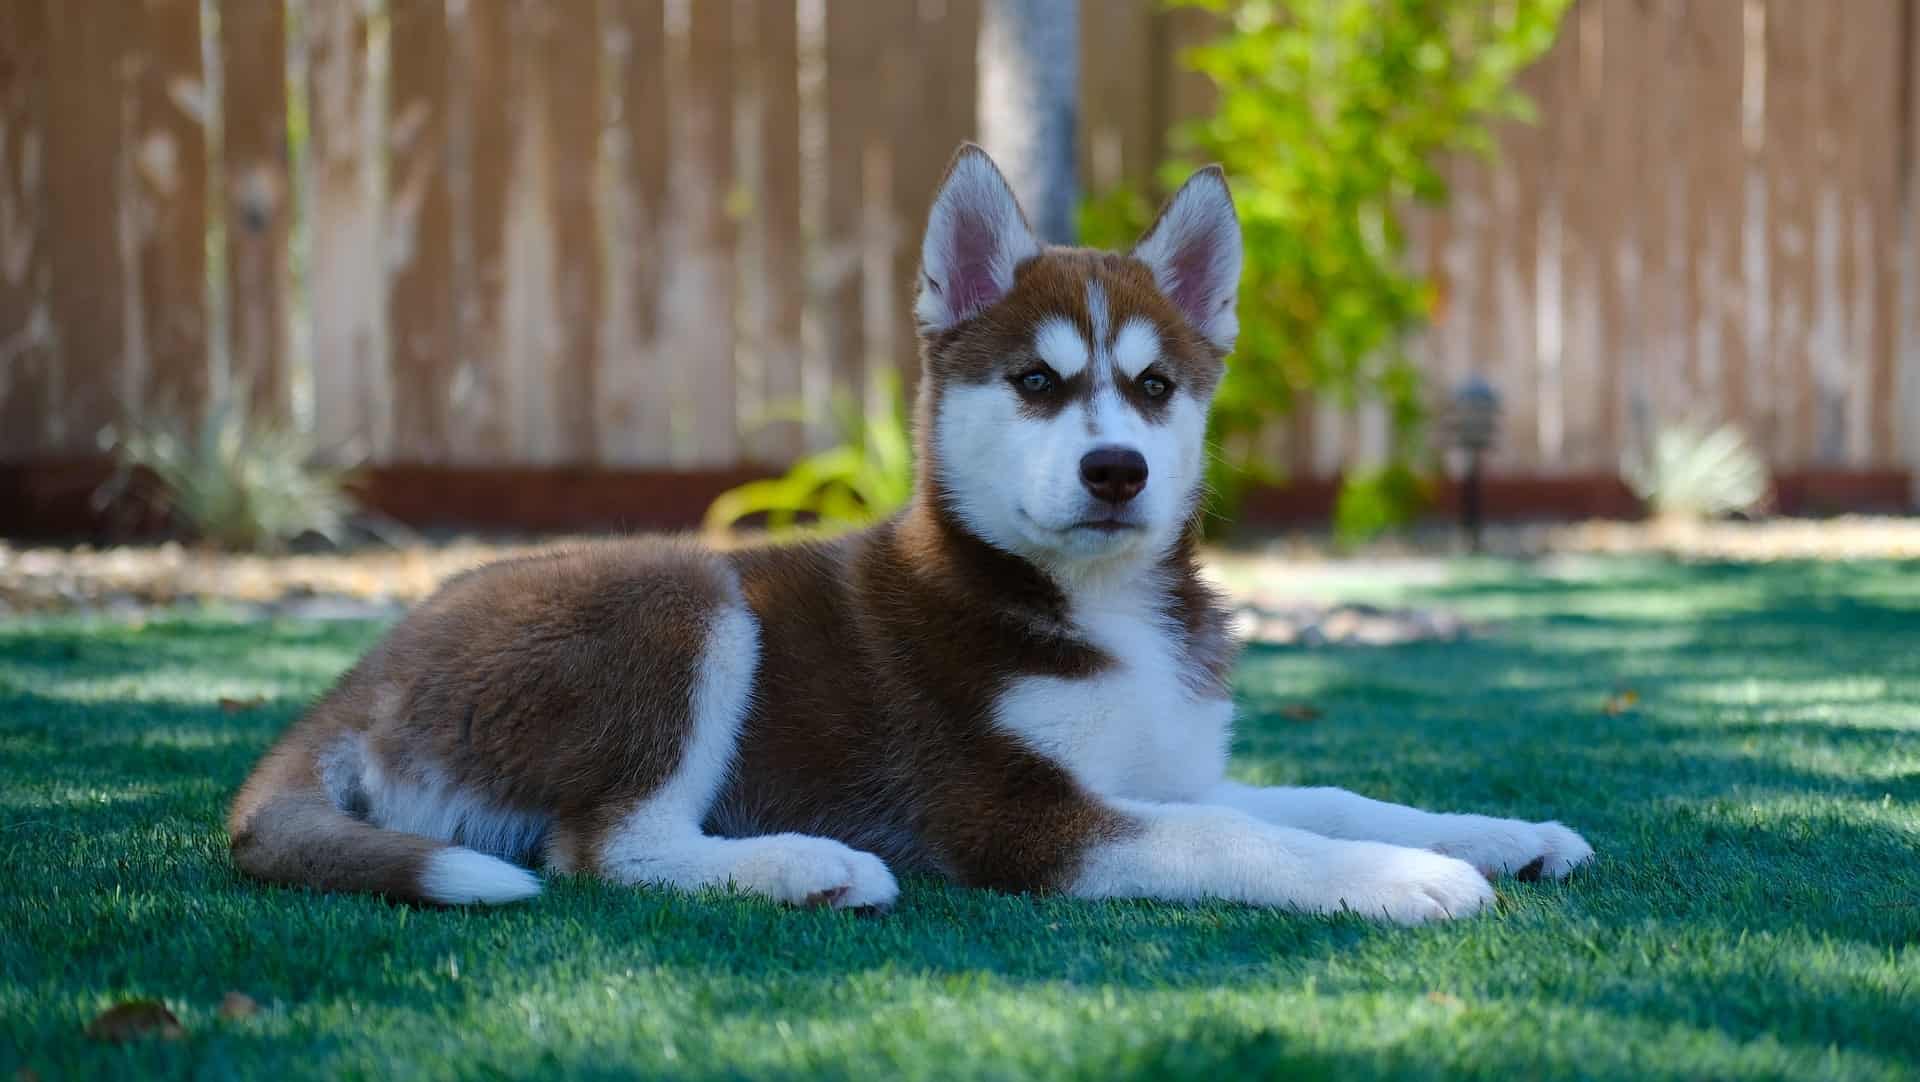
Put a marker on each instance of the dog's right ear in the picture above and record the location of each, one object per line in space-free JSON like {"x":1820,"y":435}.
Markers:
{"x":976,"y":236}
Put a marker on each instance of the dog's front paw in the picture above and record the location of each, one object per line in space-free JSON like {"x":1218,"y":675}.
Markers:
{"x":1406,"y":886}
{"x":1513,"y":847}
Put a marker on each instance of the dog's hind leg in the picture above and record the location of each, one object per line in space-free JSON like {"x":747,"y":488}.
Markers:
{"x":658,"y":839}
{"x":1495,"y":846}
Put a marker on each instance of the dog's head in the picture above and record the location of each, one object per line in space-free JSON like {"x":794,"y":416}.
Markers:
{"x":1064,"y":409}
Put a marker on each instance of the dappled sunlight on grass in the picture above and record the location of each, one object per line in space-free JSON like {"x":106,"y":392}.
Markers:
{"x":1752,"y":912}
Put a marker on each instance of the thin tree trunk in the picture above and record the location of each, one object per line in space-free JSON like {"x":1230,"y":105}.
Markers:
{"x":1029,"y":105}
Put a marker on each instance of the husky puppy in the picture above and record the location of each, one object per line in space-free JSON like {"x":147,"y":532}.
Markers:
{"x":1019,"y":682}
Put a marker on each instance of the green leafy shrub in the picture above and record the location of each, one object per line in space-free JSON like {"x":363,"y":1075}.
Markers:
{"x":235,"y":480}
{"x":862,"y":479}
{"x":1376,"y":499}
{"x":1691,"y":472}
{"x":1333,"y":117}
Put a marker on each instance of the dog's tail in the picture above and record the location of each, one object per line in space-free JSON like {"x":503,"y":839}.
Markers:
{"x":286,"y":828}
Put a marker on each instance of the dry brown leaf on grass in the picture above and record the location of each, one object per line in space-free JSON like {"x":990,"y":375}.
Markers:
{"x":1621,"y":701}
{"x":235,"y":706}
{"x":135,"y":1019}
{"x":238,"y":1005}
{"x":1300,"y":712}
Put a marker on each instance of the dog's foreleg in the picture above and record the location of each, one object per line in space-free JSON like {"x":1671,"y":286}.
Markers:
{"x":1495,"y":846}
{"x":1186,"y":852}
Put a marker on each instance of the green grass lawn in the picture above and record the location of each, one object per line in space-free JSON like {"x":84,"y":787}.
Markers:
{"x":1753,"y":912}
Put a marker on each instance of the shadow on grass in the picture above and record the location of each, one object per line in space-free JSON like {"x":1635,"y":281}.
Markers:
{"x":1755,"y":869}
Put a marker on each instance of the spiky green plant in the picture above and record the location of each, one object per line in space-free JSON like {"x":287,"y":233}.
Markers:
{"x":1692,"y":472}
{"x":235,"y":480}
{"x":862,"y":479}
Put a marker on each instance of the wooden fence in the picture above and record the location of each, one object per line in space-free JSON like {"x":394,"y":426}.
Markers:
{"x":615,"y":233}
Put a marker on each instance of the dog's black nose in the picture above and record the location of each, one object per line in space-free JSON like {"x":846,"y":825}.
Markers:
{"x":1114,"y":474}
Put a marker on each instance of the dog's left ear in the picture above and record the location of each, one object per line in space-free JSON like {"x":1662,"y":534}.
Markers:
{"x":1193,"y":249}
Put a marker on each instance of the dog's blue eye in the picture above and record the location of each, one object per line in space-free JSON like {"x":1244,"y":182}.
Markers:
{"x":1154,"y":386}
{"x":1036,"y":382}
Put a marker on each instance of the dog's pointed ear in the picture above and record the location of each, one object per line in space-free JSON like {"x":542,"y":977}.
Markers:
{"x":1193,"y":249}
{"x":976,"y":236}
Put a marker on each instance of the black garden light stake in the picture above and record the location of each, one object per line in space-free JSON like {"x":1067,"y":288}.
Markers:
{"x":1472,"y":424}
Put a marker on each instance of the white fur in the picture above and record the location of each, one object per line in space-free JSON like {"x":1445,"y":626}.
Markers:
{"x":1495,"y":846}
{"x":1185,"y":852}
{"x":457,"y":875}
{"x":1134,"y":730}
{"x":1198,"y":235}
{"x":1015,"y":480}
{"x":1059,"y":344}
{"x":1135,"y":347}
{"x":420,"y":800}
{"x":974,"y":216}
{"x":1135,"y":734}
{"x":660,"y":841}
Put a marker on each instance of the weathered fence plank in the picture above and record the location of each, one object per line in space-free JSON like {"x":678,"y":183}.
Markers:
{"x":774,"y":253}
{"x":1716,"y":207}
{"x":1662,"y":377}
{"x":1876,"y":50}
{"x":95,"y":292}
{"x":480,"y":140}
{"x":616,"y":231}
{"x":259,"y":198}
{"x":1117,"y":98}
{"x":634,"y":380}
{"x":1583,"y":242}
{"x":1783,"y":423}
{"x":855,"y":100}
{"x":168,"y":211}
{"x":27,"y":362}
{"x":418,"y":234}
{"x":352,"y":400}
{"x":703,"y":287}
{"x":571,"y":59}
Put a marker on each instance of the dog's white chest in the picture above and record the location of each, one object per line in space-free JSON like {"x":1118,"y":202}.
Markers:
{"x":1135,"y":729}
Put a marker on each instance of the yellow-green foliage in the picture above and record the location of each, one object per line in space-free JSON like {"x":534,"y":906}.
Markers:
{"x":864,"y":478}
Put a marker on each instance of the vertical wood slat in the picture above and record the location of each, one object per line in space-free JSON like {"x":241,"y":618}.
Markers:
{"x":1582,"y":240}
{"x":900,"y":167}
{"x":1117,"y":45}
{"x":351,"y":400}
{"x":1906,"y":355}
{"x":1661,"y":384}
{"x":418,"y":233}
{"x":168,"y":189}
{"x":856,"y":95}
{"x":1512,"y":296}
{"x":635,"y":388}
{"x":258,"y":202}
{"x":91,"y":285}
{"x":1874,"y":51}
{"x":1782,"y":428}
{"x":1716,"y":212}
{"x":1619,"y":392}
{"x":552,"y":258}
{"x":480,"y":168}
{"x":27,"y":361}
{"x":701,"y":185}
{"x":571,"y":59}
{"x":779,"y":256}
{"x":1830,"y":181}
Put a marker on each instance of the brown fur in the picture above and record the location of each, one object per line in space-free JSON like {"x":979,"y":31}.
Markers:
{"x":558,"y":686}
